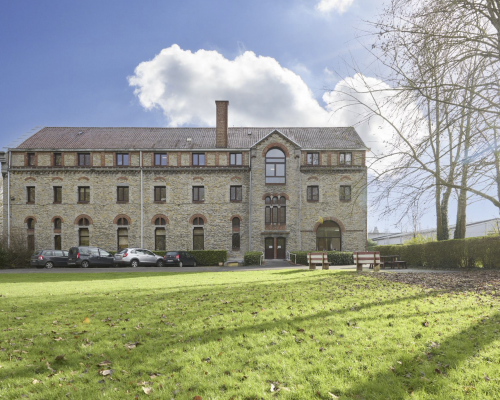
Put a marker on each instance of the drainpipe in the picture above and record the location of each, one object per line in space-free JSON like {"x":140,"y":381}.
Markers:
{"x":250,"y":203}
{"x":142,"y":209}
{"x":8,"y":201}
{"x":300,"y":205}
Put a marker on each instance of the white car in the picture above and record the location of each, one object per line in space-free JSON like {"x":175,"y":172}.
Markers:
{"x":134,"y":257}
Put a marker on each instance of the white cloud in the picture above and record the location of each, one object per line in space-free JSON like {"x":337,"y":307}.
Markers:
{"x":185,"y":85}
{"x":341,"y":6}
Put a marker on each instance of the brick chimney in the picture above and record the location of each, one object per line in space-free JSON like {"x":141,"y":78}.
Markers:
{"x":221,"y":125}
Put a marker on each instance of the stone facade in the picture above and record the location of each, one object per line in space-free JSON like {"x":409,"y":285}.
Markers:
{"x":103,"y":178}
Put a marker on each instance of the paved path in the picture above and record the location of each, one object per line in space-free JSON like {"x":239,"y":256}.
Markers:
{"x":269,"y":265}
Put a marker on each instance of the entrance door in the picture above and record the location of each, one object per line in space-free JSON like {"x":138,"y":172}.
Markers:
{"x":269,"y":251}
{"x":281,"y":248}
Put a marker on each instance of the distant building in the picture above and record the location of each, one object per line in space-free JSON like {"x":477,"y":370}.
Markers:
{"x":473,"y":229}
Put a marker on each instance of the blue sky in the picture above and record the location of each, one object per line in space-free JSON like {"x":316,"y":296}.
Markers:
{"x":163,"y":63}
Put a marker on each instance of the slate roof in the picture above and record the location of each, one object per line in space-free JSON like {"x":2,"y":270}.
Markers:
{"x":175,"y":138}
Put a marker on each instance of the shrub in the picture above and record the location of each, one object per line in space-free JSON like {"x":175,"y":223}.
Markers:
{"x":252,"y":258}
{"x":209,"y":257}
{"x":476,"y":252}
{"x":334,"y":257}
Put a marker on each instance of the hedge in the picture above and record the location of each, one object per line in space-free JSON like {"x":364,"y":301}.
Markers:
{"x":334,"y":257}
{"x":252,"y":258}
{"x":204,"y":257}
{"x":476,"y":252}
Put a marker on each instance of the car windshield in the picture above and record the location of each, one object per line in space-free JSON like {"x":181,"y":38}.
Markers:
{"x":172,"y":253}
{"x":36,"y":253}
{"x":122,"y":251}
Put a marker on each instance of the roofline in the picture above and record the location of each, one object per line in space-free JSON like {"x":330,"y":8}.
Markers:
{"x":281,"y":133}
{"x":22,"y":138}
{"x":23,"y":149}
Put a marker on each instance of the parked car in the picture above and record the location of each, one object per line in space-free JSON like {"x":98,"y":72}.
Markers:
{"x":84,"y":256}
{"x":135,"y":257}
{"x":49,"y":258}
{"x":179,"y":258}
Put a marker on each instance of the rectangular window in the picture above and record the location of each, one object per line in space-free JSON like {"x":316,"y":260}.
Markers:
{"x":236,"y":241}
{"x":122,"y":238}
{"x":57,"y":194}
{"x":160,"y":159}
{"x":198,"y":158}
{"x":313,"y":193}
{"x":235,"y":159}
{"x":198,"y":239}
{"x":160,"y":239}
{"x":57,"y":159}
{"x":312,"y":158}
{"x":122,"y":194}
{"x":84,"y":159}
{"x":160,"y":193}
{"x":268,"y":215}
{"x":31,"y":242}
{"x":345,"y":159}
{"x":235,"y":192}
{"x":345,"y":193}
{"x":57,"y":242}
{"x":31,"y":159}
{"x":198,"y":193}
{"x":83,"y":237}
{"x":83,"y":194}
{"x":30,"y":194}
{"x":122,"y":159}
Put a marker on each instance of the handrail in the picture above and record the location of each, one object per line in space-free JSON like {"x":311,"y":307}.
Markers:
{"x":261,"y":259}
{"x":290,"y":255}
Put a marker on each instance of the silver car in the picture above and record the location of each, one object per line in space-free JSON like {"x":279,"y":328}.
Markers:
{"x":135,"y":257}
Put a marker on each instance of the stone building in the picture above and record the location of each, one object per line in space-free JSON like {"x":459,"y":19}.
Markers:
{"x":240,"y":189}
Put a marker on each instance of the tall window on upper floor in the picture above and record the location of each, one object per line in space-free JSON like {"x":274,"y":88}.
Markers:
{"x":31,"y":160}
{"x":84,"y":159}
{"x":160,"y":159}
{"x":57,"y":194}
{"x":83,"y":194}
{"x":312,"y":159}
{"x":122,"y":194}
{"x":275,"y":213}
{"x":122,"y":159}
{"x":275,"y":166}
{"x":236,"y":234}
{"x":57,"y":159}
{"x":198,"y":158}
{"x":345,"y":158}
{"x":235,"y":159}
{"x":198,"y":234}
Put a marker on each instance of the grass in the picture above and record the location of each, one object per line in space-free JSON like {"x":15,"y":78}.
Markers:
{"x":240,"y":335}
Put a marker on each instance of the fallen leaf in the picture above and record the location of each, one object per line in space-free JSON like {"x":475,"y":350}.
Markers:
{"x":86,"y":320}
{"x":147,"y":390}
{"x":197,"y":398}
{"x":61,"y":357}
{"x":425,"y":323}
{"x":486,"y":378}
{"x":35,"y":381}
{"x":333,"y":396}
{"x":104,"y":363}
{"x":106,"y":372}
{"x":58,"y":339}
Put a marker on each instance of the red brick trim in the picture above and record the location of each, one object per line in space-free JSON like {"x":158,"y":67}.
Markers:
{"x":198,"y":178}
{"x":115,"y":221}
{"x":313,"y":178}
{"x":338,"y":221}
{"x":236,"y":216}
{"x":271,"y":195}
{"x":83,"y":216}
{"x":159,"y":178}
{"x":29,"y":178}
{"x":277,"y":145}
{"x":28,"y":217}
{"x":160,"y":216}
{"x":197,"y":216}
{"x":345,"y":178}
{"x":236,"y":178}
{"x":52,"y":157}
{"x":329,"y":158}
{"x":26,"y":159}
{"x":83,"y":178}
{"x":57,"y":216}
{"x":122,"y":178}
{"x":57,"y":178}
{"x":243,"y":158}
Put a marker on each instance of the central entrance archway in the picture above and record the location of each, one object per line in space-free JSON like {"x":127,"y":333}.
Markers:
{"x":275,"y":248}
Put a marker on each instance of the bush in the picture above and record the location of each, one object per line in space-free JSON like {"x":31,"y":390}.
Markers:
{"x":476,"y":252}
{"x":334,"y":257}
{"x":252,"y":258}
{"x":209,"y":257}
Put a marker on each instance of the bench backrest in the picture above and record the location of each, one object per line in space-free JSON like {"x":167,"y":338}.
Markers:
{"x":366,"y":257}
{"x":317,"y":257}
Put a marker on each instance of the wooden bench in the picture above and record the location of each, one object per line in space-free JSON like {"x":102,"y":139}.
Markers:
{"x":318,"y":258}
{"x":367,"y":257}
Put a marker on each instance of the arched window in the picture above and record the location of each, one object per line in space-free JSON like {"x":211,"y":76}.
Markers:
{"x":83,"y":222}
{"x":30,"y":222}
{"x":198,"y":234}
{"x":122,"y":221}
{"x":328,"y":237}
{"x":236,"y":234}
{"x":57,"y":224}
{"x":160,"y":221}
{"x":275,"y":166}
{"x":275,"y":211}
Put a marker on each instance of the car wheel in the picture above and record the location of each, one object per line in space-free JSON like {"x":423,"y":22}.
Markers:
{"x":85,"y":264}
{"x":194,"y":263}
{"x":160,"y":263}
{"x":134,"y":263}
{"x":49,"y":264}
{"x":180,"y":264}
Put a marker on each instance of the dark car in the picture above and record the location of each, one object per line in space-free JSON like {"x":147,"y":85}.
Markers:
{"x":179,"y":258}
{"x":49,"y":258}
{"x":84,"y":256}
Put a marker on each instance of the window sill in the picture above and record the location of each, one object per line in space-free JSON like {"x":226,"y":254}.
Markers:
{"x":57,"y":202}
{"x":84,"y":165}
{"x":198,"y":201}
{"x":159,"y":202}
{"x":30,"y":202}
{"x":82,"y":202}
{"x":313,"y":201}
{"x":345,"y":200}
{"x":122,"y":202}
{"x":275,"y":184}
{"x":235,"y":201}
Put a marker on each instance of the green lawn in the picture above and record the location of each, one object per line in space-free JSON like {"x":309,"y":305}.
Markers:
{"x":243,"y":335}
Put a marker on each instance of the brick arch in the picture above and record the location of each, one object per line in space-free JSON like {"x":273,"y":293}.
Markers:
{"x":278,"y":145}
{"x":197,"y":216}
{"x":28,"y":217}
{"x":115,"y":221}
{"x":236,"y":216}
{"x":160,"y":216}
{"x":61,"y":218}
{"x":83,"y":216}
{"x":57,"y":178}
{"x":198,"y":178}
{"x":83,"y":178}
{"x":159,"y":178}
{"x":275,"y":194}
{"x":313,"y":178}
{"x":338,"y":221}
{"x":30,"y":178}
{"x":122,"y":178}
{"x":236,"y":178}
